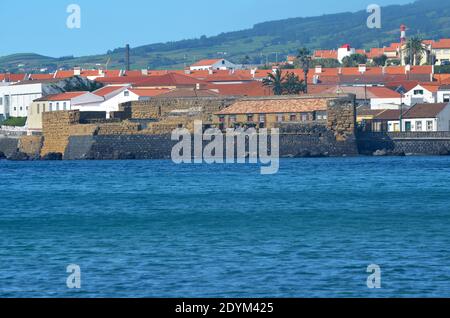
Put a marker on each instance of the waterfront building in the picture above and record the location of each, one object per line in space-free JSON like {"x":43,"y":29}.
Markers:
{"x":83,"y":101}
{"x":269,"y":112}
{"x":443,"y":94}
{"x":422,"y":93}
{"x":427,"y":117}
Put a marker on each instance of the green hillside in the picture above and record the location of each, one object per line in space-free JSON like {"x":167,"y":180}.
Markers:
{"x":429,"y":18}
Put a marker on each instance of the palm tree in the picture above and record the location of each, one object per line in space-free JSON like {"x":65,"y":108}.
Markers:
{"x":415,"y":50}
{"x":275,"y":82}
{"x":304,"y":58}
{"x":293,"y":85}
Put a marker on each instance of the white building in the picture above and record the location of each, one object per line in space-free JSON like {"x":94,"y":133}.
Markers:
{"x":83,"y":101}
{"x":15,"y":99}
{"x":344,"y":51}
{"x":427,"y":117}
{"x":422,"y":93}
{"x":443,"y":94}
{"x":214,"y":64}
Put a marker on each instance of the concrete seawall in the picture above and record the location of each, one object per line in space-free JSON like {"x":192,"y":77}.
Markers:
{"x":415,"y":143}
{"x":8,"y":145}
{"x":321,"y":142}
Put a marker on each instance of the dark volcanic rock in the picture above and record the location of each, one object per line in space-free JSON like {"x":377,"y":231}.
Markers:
{"x":19,"y":156}
{"x":52,"y":156}
{"x":2,"y":156}
{"x":303,"y":154}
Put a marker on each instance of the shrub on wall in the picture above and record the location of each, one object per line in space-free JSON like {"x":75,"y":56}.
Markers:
{"x":15,"y":121}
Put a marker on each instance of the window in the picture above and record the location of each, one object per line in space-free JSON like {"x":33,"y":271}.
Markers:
{"x":221,"y":119}
{"x":15,"y":108}
{"x":50,"y":107}
{"x":293,"y":117}
{"x":250,"y":118}
{"x":1,"y":101}
{"x":233,"y":118}
{"x":280,"y":118}
{"x":446,"y":98}
{"x":126,"y":93}
{"x":429,"y":125}
{"x":304,"y":117}
{"x":418,"y":92}
{"x":64,"y":106}
{"x":57,"y":106}
{"x":262,"y":118}
{"x":418,"y":125}
{"x":21,"y":108}
{"x":38,"y":110}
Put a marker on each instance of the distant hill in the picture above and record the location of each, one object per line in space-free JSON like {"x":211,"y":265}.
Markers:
{"x":429,"y":18}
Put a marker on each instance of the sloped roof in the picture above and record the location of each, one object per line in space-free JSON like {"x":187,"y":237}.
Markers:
{"x":275,"y":106}
{"x":207,"y":62}
{"x":425,"y":110}
{"x":61,"y":97}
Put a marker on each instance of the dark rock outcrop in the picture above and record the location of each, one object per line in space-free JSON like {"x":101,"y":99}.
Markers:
{"x":52,"y":156}
{"x":19,"y":156}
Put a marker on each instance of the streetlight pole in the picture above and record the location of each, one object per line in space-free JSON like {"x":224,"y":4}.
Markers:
{"x":306,"y":71}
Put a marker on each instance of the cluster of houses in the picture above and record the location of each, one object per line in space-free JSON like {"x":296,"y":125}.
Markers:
{"x":391,"y":98}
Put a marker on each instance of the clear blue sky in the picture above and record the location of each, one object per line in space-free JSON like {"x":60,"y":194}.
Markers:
{"x":40,"y":26}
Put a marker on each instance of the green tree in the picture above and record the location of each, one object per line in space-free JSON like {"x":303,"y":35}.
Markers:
{"x":327,"y":63}
{"x":414,"y":50}
{"x":293,"y":85}
{"x":380,"y":60}
{"x":354,"y":60}
{"x":275,"y":82}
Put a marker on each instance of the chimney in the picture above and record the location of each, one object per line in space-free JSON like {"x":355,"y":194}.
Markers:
{"x":144,"y":72}
{"x":253,"y":72}
{"x":77,"y":71}
{"x":362,"y":68}
{"x":187,"y":71}
{"x":408,"y":68}
{"x":210,"y":71}
{"x":127,"y":57}
{"x":383,"y":70}
{"x":318,"y":69}
{"x":340,"y":70}
{"x":197,"y":86}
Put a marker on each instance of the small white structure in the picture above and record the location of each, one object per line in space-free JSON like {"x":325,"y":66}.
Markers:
{"x":83,"y":101}
{"x":427,"y":117}
{"x":443,"y":94}
{"x":214,"y":64}
{"x":344,"y":51}
{"x":422,"y":93}
{"x":15,"y":99}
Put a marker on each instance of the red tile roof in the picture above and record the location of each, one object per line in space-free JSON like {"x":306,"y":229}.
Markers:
{"x":254,"y":88}
{"x":108,"y":90}
{"x":207,"y":62}
{"x":62,"y":96}
{"x":169,"y":80}
{"x":425,"y":110}
{"x":326,"y":54}
{"x":149,"y":92}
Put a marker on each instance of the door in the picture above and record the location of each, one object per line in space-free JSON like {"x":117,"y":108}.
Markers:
{"x":408,"y":126}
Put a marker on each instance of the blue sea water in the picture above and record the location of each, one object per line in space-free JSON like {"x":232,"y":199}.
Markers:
{"x":156,"y":229}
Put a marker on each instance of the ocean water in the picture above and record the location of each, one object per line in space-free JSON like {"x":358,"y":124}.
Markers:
{"x":156,"y":229}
